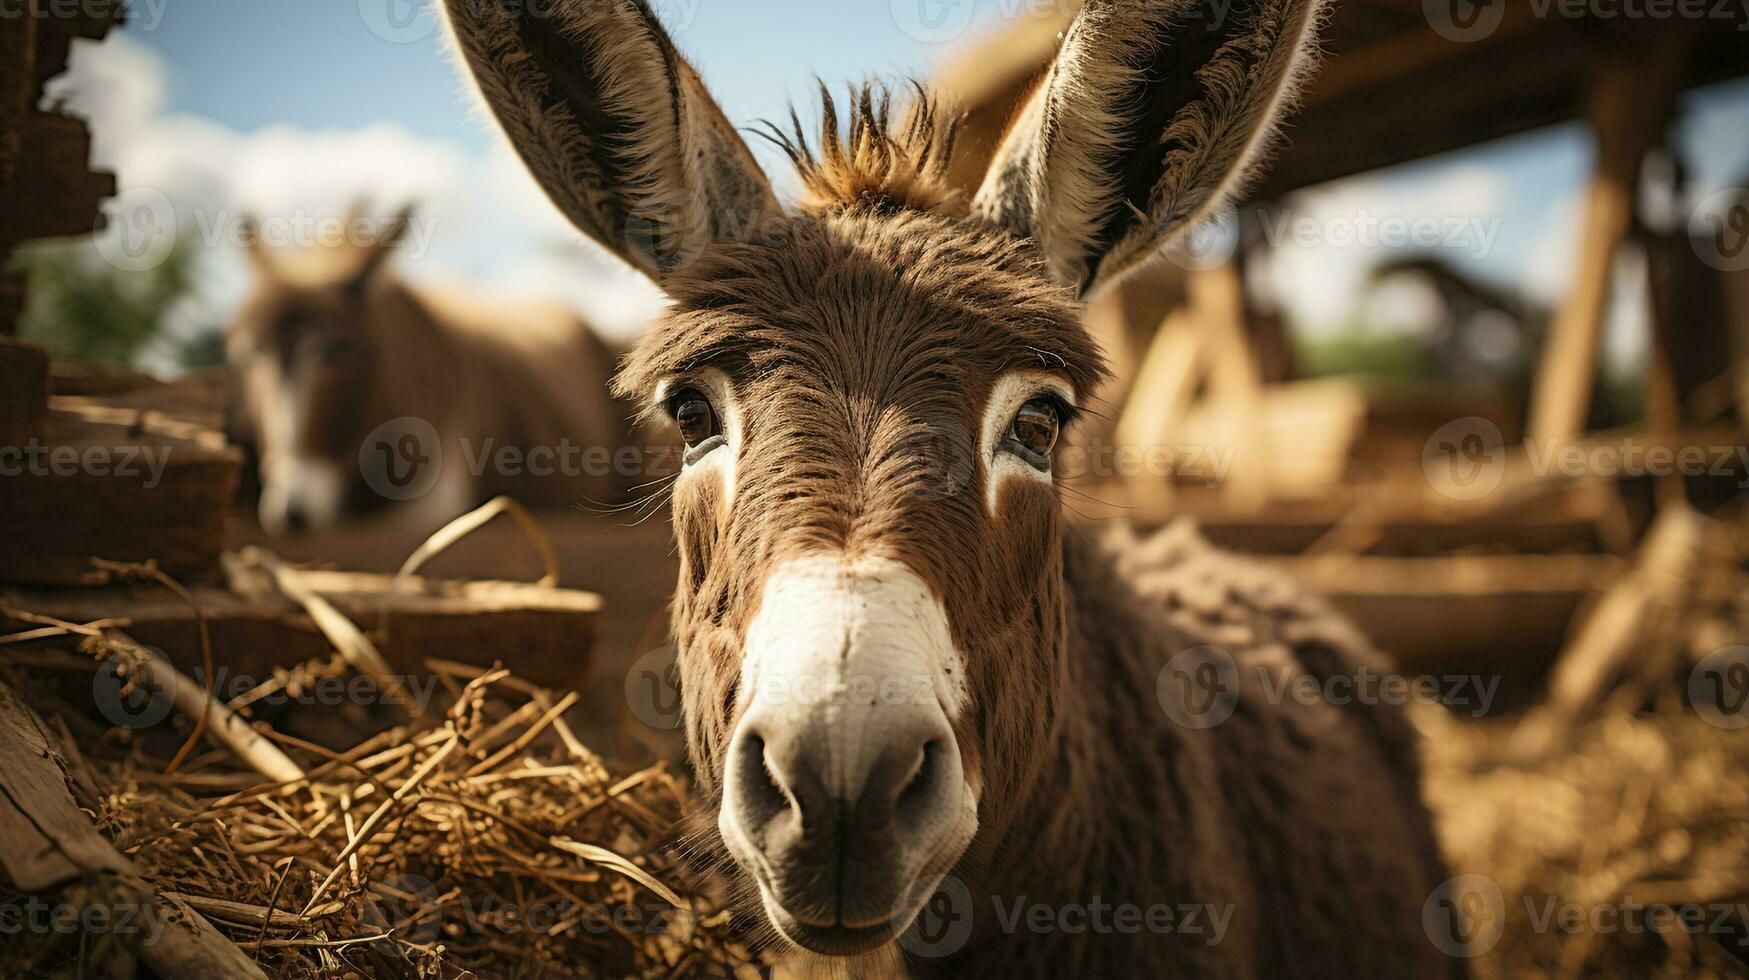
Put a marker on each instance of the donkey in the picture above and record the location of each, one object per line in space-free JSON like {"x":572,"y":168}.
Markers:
{"x":462,"y":396}
{"x":907,"y":680}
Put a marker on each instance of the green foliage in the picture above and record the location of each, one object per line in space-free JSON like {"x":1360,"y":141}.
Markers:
{"x":1358,"y":350}
{"x":85,"y":309}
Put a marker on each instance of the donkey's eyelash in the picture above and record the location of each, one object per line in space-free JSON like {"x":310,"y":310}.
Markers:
{"x":1067,"y":412}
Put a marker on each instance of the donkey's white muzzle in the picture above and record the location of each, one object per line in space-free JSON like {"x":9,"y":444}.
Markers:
{"x":843,"y":785}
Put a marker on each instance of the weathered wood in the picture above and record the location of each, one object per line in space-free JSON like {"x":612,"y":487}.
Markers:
{"x":1631,"y":104}
{"x":1496,"y":613}
{"x":1529,"y":72}
{"x":112,"y":484}
{"x":1614,"y":633}
{"x":47,"y":843}
{"x":1735,"y":287}
{"x":543,"y":634}
{"x":1164,"y":386}
{"x":54,"y":192}
{"x":17,"y":82}
{"x":24,"y":393}
{"x":46,"y":183}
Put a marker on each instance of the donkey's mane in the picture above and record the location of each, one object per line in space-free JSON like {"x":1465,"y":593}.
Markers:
{"x":876,"y":161}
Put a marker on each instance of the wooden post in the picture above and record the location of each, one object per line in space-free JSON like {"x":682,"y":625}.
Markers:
{"x":1235,"y":383}
{"x":1663,"y":397}
{"x":1631,"y":103}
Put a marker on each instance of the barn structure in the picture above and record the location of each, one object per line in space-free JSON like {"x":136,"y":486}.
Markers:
{"x":1346,"y":482}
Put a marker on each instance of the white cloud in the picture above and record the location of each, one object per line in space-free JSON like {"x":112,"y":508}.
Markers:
{"x":118,"y":85}
{"x":488,"y":223}
{"x":1331,"y":237}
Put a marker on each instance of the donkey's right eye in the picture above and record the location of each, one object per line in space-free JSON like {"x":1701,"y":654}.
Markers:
{"x":693,"y":414}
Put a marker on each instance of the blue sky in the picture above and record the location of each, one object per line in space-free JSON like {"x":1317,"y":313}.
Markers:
{"x":346,"y":63}
{"x":280,"y":104}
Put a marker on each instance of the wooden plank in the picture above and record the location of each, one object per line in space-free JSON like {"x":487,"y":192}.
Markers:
{"x":1735,"y":287}
{"x":1505,"y":614}
{"x":1235,"y":384}
{"x":17,"y":86}
{"x":1614,"y":634}
{"x":1631,"y":104}
{"x":1529,"y":72}
{"x":545,"y":635}
{"x":47,"y":842}
{"x":111,"y":485}
{"x":1356,"y":119}
{"x":24,"y":393}
{"x":54,"y":193}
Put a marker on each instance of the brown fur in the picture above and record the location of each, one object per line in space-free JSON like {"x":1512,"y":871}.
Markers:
{"x":862,"y":338}
{"x":443,"y":354}
{"x":875,"y":165}
{"x":1304,"y":820}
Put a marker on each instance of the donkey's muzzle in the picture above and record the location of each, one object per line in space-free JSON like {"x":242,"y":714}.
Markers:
{"x":843,"y":808}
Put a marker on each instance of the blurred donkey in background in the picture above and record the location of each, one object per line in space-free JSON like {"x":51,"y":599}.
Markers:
{"x":359,"y":390}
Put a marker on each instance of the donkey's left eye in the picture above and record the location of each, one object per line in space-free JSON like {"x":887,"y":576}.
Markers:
{"x":1033,"y":434}
{"x":693,"y":414}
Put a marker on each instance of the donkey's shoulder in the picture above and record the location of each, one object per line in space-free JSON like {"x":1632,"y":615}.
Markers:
{"x":1174,"y":591}
{"x":1239,"y":604}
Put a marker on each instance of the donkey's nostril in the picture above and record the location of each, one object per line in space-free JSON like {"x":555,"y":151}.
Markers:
{"x":762,"y":797}
{"x":921,"y":789}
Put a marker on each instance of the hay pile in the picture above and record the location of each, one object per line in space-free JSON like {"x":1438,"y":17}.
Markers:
{"x":1642,"y":809}
{"x":480,"y":836}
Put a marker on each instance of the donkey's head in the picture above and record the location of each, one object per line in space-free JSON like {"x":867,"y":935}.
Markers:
{"x":871,"y":611}
{"x":304,"y":355}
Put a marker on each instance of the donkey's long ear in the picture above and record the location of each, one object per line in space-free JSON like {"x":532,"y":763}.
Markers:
{"x":614,"y":124}
{"x":1147,"y":120}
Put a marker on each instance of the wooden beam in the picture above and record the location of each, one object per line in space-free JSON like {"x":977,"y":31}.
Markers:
{"x":1631,"y":106}
{"x":17,"y":86}
{"x":24,"y":392}
{"x":54,"y":192}
{"x":1235,"y":385}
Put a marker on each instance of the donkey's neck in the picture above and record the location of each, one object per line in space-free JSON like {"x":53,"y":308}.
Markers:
{"x":1109,"y":795}
{"x":420,"y":368}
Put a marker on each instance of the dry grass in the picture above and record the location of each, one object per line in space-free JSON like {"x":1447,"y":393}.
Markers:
{"x":1642,"y":809}
{"x":481,"y":836}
